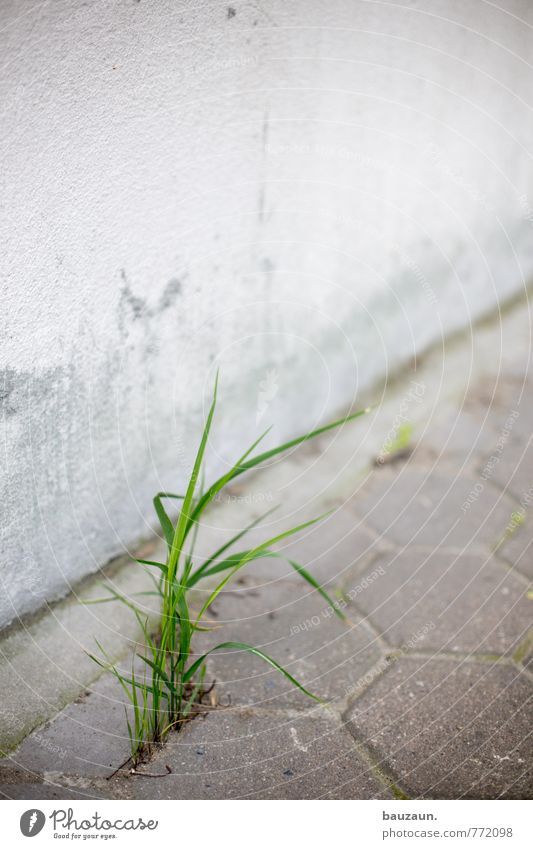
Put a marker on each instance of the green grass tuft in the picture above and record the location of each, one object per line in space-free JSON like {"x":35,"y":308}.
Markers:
{"x":169,"y":687}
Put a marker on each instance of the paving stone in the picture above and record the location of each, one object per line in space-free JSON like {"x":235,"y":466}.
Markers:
{"x":338,"y":543}
{"x":43,"y":666}
{"x":450,"y":730}
{"x":499,"y":396}
{"x":517,"y":547}
{"x":418,"y":506}
{"x":524,"y":652}
{"x":326,"y":549}
{"x":443,"y":601}
{"x":508,"y":460}
{"x":43,"y":791}
{"x":299,"y":630}
{"x":457,"y":435}
{"x":88,"y":738}
{"x":527,"y":661}
{"x":512,"y":469}
{"x":266,"y":755}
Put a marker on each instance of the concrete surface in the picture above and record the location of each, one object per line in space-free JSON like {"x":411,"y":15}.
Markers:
{"x":44,"y":661}
{"x":451,"y":728}
{"x":429,"y":684}
{"x":280,"y":189}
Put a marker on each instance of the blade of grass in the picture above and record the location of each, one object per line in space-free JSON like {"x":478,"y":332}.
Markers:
{"x":160,"y":671}
{"x":184,"y":518}
{"x":162,"y":566}
{"x":251,"y":554}
{"x":110,"y":667}
{"x":314,"y":583}
{"x":164,"y":519}
{"x":219,"y":484}
{"x":194,"y":694}
{"x":223,"y":565}
{"x":252,"y":650}
{"x":232,"y":561}
{"x":195,"y":577}
{"x":185,"y":628}
{"x":266,"y":455}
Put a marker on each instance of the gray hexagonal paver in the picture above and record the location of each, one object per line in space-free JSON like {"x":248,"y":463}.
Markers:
{"x":445,"y":601}
{"x":89,"y":737}
{"x":450,"y":730}
{"x":517,"y":546}
{"x":514,"y":469}
{"x":243,"y":754}
{"x":326,"y":549}
{"x":46,"y":790}
{"x":457,"y":435}
{"x":422,"y":506}
{"x":333,"y":546}
{"x":298,"y":629}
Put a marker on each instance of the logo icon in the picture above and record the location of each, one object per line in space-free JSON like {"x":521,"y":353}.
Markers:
{"x":32,"y":822}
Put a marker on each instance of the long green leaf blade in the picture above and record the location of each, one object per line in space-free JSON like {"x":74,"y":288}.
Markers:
{"x":272,"y":452}
{"x":219,"y":484}
{"x":251,"y":555}
{"x":195,"y":577}
{"x":164,"y":519}
{"x":252,"y":650}
{"x":223,"y":565}
{"x":314,"y":583}
{"x":160,"y":671}
{"x":185,"y":627}
{"x":162,"y":566}
{"x":184,"y":517}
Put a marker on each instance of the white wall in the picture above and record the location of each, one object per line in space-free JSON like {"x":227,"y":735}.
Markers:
{"x":316,"y":188}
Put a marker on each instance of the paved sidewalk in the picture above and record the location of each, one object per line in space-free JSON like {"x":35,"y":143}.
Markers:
{"x":429,"y":686}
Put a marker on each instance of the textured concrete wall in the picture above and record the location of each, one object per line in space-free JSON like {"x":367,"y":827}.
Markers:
{"x":304,"y":193}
